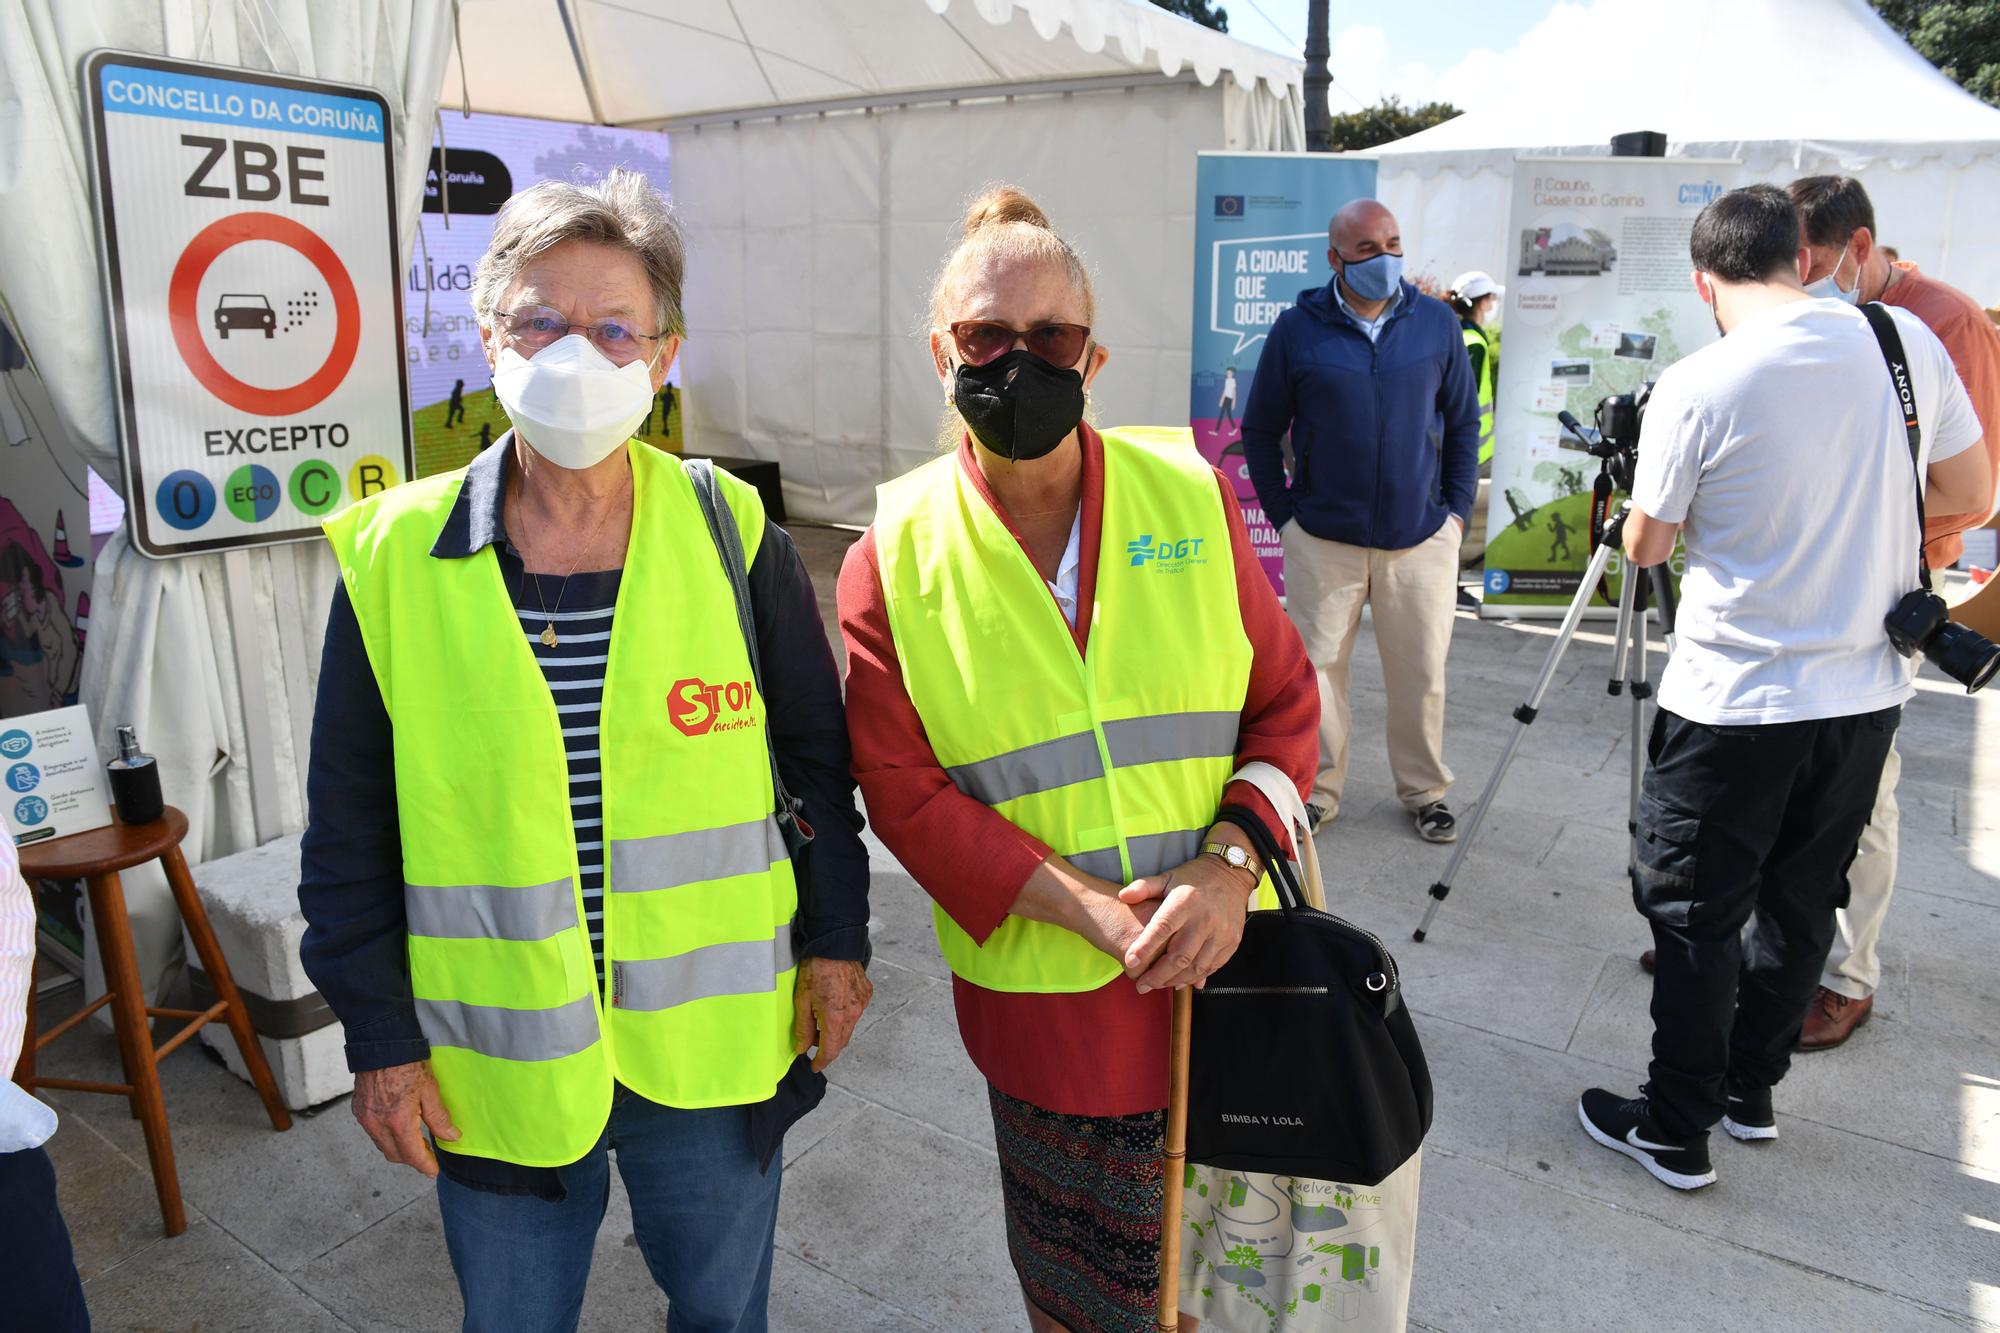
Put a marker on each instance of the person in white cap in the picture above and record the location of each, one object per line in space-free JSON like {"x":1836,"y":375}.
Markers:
{"x":1475,"y":298}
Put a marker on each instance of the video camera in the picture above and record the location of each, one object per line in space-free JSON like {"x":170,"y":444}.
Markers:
{"x":1614,"y":440}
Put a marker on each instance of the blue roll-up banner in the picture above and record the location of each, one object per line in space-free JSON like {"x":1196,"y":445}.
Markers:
{"x":1260,"y":239}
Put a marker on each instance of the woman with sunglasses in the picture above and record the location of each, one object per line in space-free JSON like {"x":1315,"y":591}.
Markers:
{"x":551,"y":904}
{"x":1060,"y":647}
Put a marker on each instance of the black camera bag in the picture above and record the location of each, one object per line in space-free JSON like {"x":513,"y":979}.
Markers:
{"x":1304,"y":1059}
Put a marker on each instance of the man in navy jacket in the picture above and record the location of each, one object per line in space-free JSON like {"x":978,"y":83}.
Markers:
{"x":1370,"y":377}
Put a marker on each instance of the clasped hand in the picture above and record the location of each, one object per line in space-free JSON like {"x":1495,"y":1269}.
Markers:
{"x":1189,"y":921}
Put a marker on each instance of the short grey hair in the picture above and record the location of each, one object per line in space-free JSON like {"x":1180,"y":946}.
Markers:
{"x":622,"y":209}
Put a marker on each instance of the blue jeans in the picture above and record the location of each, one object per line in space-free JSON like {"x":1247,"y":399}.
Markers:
{"x":703,"y":1215}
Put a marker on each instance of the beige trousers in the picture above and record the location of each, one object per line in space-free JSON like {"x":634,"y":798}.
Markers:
{"x":1852,"y":968}
{"x":1413,"y":593}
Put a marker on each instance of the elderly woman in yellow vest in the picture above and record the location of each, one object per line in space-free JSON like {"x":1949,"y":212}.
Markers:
{"x":1060,"y":647}
{"x":544,"y":888}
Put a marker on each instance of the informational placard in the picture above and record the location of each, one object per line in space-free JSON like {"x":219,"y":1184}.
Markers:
{"x":487,"y":160}
{"x":248,"y":232}
{"x":1599,"y":302}
{"x":1260,"y":239}
{"x":53,"y":783}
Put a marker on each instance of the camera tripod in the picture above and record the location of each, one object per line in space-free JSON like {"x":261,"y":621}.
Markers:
{"x":1628,"y":676}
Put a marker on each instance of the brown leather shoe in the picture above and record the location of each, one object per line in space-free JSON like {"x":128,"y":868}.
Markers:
{"x":1831,"y":1019}
{"x":1649,"y":962}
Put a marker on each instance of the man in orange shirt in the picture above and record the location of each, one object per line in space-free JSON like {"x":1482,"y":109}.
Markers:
{"x":1838,"y":224}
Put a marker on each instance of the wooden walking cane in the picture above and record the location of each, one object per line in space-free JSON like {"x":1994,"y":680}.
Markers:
{"x":1175,"y":1165}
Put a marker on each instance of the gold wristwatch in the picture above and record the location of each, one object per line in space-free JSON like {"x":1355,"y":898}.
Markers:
{"x":1233,"y":855}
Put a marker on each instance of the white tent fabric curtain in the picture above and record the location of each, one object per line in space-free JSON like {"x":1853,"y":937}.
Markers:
{"x":813,"y":241}
{"x":1813,"y":86}
{"x":164,"y":634}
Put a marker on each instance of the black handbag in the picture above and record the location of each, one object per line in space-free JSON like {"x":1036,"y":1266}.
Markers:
{"x":1304,"y":1060}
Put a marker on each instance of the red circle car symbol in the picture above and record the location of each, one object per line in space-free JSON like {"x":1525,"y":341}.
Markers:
{"x":202,"y":251}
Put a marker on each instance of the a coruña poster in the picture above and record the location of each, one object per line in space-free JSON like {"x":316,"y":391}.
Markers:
{"x":1260,"y":233}
{"x":485,"y":160}
{"x":1599,"y":302}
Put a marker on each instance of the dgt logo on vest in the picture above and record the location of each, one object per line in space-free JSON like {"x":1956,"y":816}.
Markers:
{"x":1167,"y":556}
{"x":697,"y":707}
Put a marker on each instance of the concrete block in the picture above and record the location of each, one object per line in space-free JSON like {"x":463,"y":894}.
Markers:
{"x":252,"y":901}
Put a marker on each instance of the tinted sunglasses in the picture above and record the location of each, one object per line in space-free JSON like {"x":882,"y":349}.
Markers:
{"x":983,"y":340}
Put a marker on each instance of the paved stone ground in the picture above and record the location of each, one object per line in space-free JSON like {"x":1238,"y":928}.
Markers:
{"x":1880,"y":1208}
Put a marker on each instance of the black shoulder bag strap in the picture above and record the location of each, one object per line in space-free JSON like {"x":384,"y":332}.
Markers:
{"x":1906,"y":396}
{"x":729,"y":545}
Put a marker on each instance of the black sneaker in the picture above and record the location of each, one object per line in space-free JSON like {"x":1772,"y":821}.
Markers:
{"x":1628,"y":1127}
{"x":1749,"y":1119}
{"x":1315,"y":816}
{"x":1435,"y":823}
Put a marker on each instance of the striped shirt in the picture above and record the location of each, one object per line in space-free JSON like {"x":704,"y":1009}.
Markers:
{"x":574,"y":669}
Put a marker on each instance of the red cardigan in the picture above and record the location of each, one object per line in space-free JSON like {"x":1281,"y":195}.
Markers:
{"x":1101,"y":1052}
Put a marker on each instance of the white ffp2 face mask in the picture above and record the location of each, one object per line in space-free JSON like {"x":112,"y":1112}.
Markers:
{"x":570,"y":402}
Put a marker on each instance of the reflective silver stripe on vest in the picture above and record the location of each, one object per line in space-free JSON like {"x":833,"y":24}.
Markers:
{"x":1151,"y":854}
{"x":751,"y":967}
{"x":1171,"y":736}
{"x":1163,"y":851}
{"x":673,"y":859}
{"x":489,"y":911}
{"x":1043,"y":766}
{"x":1103,"y":863}
{"x":511,"y":1034}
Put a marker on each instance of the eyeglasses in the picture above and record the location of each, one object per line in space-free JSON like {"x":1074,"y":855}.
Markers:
{"x":983,"y":340}
{"x":536,"y":326}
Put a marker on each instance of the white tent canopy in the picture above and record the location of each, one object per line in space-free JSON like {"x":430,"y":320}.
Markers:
{"x":1789,"y":87}
{"x":658,"y":62}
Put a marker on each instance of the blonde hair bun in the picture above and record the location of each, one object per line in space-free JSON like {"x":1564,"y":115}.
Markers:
{"x":1003,"y":203}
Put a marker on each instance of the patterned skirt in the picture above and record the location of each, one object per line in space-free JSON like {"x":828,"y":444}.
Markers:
{"x":1083,"y":1196}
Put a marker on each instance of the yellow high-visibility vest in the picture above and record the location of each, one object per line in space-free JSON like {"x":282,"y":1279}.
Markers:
{"x":1116,"y":758}
{"x":699,"y":896}
{"x":1484,"y":342}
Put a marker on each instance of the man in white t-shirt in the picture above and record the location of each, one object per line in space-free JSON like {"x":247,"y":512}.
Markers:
{"x":1781,"y":453}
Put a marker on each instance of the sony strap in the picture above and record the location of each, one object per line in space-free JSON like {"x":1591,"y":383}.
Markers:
{"x":1891,"y":343}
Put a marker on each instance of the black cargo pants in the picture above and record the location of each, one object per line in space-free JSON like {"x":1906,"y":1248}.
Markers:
{"x":1736,"y":821}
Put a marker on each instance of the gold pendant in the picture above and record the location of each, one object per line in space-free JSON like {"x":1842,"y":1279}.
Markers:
{"x":549,"y":635}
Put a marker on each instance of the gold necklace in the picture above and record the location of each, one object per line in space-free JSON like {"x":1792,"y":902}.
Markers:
{"x":548,"y":634}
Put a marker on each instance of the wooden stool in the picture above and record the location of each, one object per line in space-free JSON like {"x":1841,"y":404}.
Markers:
{"x":98,"y":856}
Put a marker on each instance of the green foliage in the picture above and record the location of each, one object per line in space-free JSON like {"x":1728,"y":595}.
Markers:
{"x":1960,"y":37}
{"x":1386,"y":121}
{"x":1201,"y":11}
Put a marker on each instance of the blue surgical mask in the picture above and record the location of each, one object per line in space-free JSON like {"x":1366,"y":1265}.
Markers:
{"x":1829,"y":286}
{"x":1373,"y":279}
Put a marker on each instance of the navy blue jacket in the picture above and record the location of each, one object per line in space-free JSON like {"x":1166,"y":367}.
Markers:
{"x":1385,"y":435}
{"x":351,"y":890}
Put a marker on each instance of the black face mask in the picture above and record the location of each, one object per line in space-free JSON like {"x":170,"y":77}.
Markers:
{"x":1019,"y":405}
